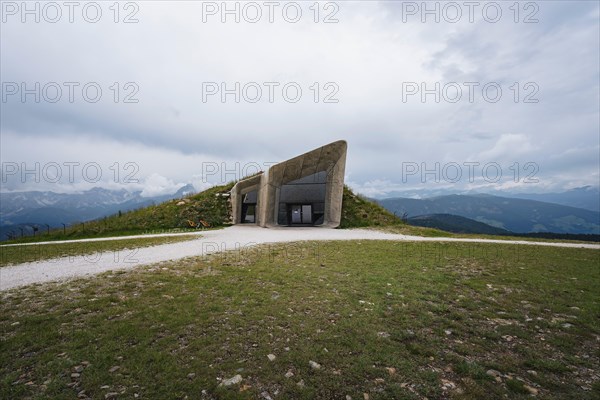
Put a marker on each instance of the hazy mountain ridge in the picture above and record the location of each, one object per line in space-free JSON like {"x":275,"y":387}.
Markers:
{"x":516,"y":215}
{"x":455,"y":224}
{"x":22,"y":209}
{"x":586,"y":197}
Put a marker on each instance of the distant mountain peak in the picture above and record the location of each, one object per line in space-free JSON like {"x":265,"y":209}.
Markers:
{"x":57,"y":208}
{"x":185,"y":190}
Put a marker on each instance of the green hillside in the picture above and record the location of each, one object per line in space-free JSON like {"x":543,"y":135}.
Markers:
{"x":357,"y":211}
{"x":360,"y":212}
{"x":214,"y":208}
{"x":211,"y":206}
{"x":173,"y":215}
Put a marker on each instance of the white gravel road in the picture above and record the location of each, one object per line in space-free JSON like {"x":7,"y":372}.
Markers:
{"x":231,"y":238}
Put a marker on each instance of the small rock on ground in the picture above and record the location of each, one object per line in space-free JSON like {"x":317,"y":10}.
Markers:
{"x":231,"y":381}
{"x":531,"y":390}
{"x":493,"y":372}
{"x":266,"y":396}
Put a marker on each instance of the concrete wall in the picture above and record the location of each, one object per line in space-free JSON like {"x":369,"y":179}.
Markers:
{"x":330,"y":158}
{"x":237,"y":196}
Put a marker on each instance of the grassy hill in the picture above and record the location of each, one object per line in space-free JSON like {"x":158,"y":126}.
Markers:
{"x":212,"y":206}
{"x":358,"y":211}
{"x":209,"y":205}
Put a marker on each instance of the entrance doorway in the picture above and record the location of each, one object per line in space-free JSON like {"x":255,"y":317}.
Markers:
{"x":249,"y":208}
{"x":249,"y":213}
{"x":302,"y":201}
{"x":301,"y":214}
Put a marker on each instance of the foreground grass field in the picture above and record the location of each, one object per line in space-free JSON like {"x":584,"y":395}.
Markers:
{"x":322,"y":320}
{"x":37,"y":252}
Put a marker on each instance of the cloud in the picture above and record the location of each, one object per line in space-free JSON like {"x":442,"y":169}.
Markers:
{"x":507,"y":146}
{"x":156,"y":185}
{"x":369,"y":56}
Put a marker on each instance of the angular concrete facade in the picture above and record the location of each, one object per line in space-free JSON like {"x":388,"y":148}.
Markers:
{"x":305,"y":190}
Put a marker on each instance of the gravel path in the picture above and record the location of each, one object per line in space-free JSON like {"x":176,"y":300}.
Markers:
{"x":231,"y":238}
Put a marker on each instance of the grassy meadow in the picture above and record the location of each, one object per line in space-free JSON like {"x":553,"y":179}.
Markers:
{"x":325,"y":320}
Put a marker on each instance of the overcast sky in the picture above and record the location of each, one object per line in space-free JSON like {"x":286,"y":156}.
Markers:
{"x":373,"y":63}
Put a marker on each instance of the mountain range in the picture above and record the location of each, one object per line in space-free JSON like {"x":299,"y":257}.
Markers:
{"x":455,"y":224}
{"x":36,"y":208}
{"x":587,"y":197}
{"x":512,"y":214}
{"x":468,"y":213}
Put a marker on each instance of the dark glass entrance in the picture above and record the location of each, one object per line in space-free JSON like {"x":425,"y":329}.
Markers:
{"x":301,"y":214}
{"x":249,"y":208}
{"x":302,"y":202}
